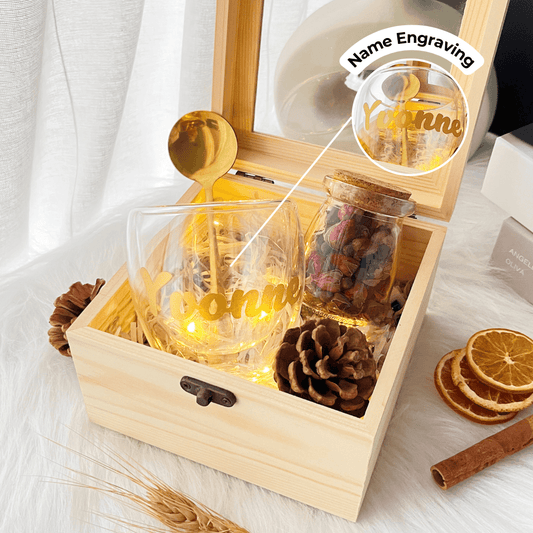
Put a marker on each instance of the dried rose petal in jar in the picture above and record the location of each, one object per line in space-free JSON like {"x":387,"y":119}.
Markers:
{"x":352,"y":249}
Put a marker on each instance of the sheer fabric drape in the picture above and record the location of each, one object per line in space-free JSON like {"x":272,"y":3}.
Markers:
{"x":89,"y":90}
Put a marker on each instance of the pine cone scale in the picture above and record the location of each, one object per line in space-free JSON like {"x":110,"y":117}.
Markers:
{"x":348,"y":390}
{"x":308,"y":360}
{"x":337,"y":351}
{"x":349,"y":372}
{"x":353,"y":357}
{"x":286,"y":355}
{"x":329,"y":398}
{"x":352,"y":405}
{"x":322,"y":339}
{"x":297,"y":377}
{"x":322,"y":368}
{"x":305,"y":341}
{"x":61,"y":316}
{"x":73,"y":307}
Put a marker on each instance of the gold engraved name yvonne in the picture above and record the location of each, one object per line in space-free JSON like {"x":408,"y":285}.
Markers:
{"x":215,"y":305}
{"x":422,"y":120}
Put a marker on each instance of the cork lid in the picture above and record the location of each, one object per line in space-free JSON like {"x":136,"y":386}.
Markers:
{"x":370,"y":194}
{"x":371,"y":184}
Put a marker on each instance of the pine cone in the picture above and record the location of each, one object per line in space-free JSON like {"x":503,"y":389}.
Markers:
{"x":327,"y":363}
{"x":68,"y":307}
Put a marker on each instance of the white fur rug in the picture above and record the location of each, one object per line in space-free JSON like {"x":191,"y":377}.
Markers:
{"x":40,"y":399}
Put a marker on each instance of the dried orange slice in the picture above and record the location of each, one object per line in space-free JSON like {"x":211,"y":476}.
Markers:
{"x":458,"y":401}
{"x":480,"y":393}
{"x":502,"y":359}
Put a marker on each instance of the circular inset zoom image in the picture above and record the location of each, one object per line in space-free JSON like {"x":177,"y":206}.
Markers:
{"x":410,"y":117}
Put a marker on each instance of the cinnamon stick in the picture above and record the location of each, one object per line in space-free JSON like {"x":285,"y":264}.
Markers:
{"x":485,"y":453}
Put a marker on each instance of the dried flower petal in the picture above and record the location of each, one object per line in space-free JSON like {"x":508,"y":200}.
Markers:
{"x":340,"y":234}
{"x":315,"y":262}
{"x":347,"y":265}
{"x":329,"y":281}
{"x":346,"y":211}
{"x":341,"y":301}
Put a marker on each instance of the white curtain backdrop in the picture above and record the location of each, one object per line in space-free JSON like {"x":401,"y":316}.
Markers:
{"x":89,"y":90}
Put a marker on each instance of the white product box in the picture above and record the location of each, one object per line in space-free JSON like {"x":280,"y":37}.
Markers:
{"x":509,"y":178}
{"x":513,"y":253}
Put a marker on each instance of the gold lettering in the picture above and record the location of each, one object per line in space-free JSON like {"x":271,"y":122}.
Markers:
{"x":176,"y":305}
{"x":219,"y":302}
{"x":239,"y":298}
{"x":280,"y":299}
{"x":442,"y":122}
{"x":425,"y":118}
{"x":252,"y":309}
{"x":293,"y":290}
{"x":266,"y":300}
{"x":385,"y":118}
{"x":213,"y":306}
{"x":236,"y":303}
{"x":404,"y":118}
{"x":153,"y":287}
{"x":455,"y":128}
{"x":368,"y":112}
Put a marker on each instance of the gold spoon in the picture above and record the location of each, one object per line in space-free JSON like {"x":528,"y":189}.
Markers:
{"x":401,"y":88}
{"x":203,"y":147}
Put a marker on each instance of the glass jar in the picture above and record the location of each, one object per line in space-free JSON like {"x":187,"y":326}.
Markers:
{"x":351,"y":250}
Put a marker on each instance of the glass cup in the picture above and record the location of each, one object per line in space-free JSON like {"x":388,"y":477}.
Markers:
{"x":410,"y":118}
{"x":224,"y":297}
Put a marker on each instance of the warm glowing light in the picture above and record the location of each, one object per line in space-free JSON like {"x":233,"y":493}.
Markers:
{"x":262,"y":315}
{"x":266,"y":369}
{"x":191,"y":327}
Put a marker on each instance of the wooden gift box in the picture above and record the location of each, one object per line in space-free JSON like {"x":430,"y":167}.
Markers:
{"x":297,"y":448}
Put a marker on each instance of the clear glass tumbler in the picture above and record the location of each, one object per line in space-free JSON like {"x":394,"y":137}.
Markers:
{"x":223,"y":295}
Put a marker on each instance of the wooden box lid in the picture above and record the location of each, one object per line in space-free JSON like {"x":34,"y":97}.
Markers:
{"x":236,"y":62}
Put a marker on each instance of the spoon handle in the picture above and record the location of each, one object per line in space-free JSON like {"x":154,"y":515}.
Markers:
{"x":405,"y":161}
{"x":213,"y":248}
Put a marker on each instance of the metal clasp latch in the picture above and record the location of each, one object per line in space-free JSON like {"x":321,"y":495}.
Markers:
{"x":206,"y":393}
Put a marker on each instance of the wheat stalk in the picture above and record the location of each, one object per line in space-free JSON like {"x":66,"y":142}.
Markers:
{"x":175,"y":510}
